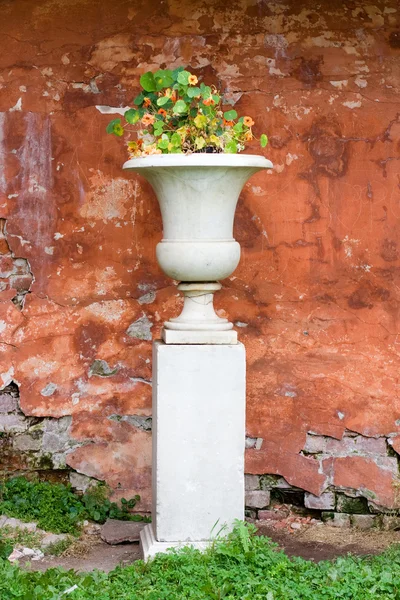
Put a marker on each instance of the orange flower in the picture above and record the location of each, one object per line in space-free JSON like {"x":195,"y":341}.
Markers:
{"x":146,"y":102}
{"x":162,"y":112}
{"x":173,"y":96}
{"x":248,"y":121}
{"x":248,"y":136}
{"x":228,"y":123}
{"x":208,"y":102}
{"x":192,"y":79}
{"x":148,"y":119}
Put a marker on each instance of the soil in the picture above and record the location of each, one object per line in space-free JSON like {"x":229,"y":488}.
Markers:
{"x":311,"y":542}
{"x":321,"y":542}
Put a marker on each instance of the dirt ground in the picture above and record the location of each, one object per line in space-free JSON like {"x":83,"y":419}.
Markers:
{"x":313,"y":542}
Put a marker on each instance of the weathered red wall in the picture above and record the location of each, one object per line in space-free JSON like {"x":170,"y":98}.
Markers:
{"x":317,"y":291}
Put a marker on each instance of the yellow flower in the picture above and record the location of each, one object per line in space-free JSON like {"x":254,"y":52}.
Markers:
{"x":192,"y":80}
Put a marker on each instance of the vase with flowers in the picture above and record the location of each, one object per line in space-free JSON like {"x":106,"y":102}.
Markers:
{"x":180,"y":138}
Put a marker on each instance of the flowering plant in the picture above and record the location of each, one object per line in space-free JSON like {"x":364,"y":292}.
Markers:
{"x":173,"y":114}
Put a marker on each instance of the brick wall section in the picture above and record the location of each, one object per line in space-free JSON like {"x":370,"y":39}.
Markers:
{"x":316,"y":295}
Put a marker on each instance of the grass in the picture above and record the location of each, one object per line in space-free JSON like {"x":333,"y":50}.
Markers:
{"x":21,"y":537}
{"x":242,"y":567}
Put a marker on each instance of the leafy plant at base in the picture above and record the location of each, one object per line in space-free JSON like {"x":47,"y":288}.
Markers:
{"x":174,"y":115}
{"x":56,"y":508}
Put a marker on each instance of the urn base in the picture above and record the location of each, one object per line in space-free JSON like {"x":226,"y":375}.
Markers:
{"x":198,"y":323}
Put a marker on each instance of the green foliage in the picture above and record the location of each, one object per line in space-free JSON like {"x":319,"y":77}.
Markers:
{"x":99,"y":508}
{"x":174,"y":113}
{"x":240,"y":567}
{"x":56,"y":508}
{"x":53,"y":506}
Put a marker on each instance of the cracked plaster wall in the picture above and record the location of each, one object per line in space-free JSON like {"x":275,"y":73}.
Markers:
{"x":316,"y":295}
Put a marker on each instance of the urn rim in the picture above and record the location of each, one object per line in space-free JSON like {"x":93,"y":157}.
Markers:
{"x":254,"y":161}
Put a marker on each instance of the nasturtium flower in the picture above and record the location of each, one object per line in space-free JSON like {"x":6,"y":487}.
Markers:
{"x":162,"y":112}
{"x":248,"y":121}
{"x":148,"y":119}
{"x":146,"y":102}
{"x":192,"y":80}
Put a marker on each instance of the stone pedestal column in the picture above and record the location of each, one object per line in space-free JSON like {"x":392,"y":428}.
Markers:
{"x":198,"y":443}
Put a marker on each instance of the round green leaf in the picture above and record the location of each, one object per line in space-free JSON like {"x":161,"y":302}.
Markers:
{"x":131,"y":116}
{"x":147,"y":82}
{"x":163,"y":100}
{"x":183,"y":77}
{"x":231,"y":147}
{"x":176,"y":139}
{"x":263,"y":140}
{"x":163,"y":78}
{"x":180,"y":107}
{"x":230,"y":115}
{"x":193,"y":92}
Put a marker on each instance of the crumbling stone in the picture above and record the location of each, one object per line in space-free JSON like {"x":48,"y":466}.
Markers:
{"x":140,"y":329}
{"x":8,"y":403}
{"x":102,"y":369}
{"x":80,"y":482}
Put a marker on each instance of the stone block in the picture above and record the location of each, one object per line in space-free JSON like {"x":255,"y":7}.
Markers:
{"x":315,"y":444}
{"x":53,"y":538}
{"x":390,"y":523}
{"x":8,"y":403}
{"x":28,"y":441}
{"x":251,"y":482}
{"x":257,"y":499}
{"x":198,"y":431}
{"x":339,"y":520}
{"x":363,"y":521}
{"x":325,"y":501}
{"x":12,"y":423}
{"x":119,"y":532}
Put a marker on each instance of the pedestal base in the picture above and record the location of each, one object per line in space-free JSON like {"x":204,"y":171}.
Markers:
{"x":174,"y":336}
{"x":198,"y":442}
{"x":150,"y":546}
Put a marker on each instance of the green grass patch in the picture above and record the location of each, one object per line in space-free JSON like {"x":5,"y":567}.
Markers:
{"x":55,"y":507}
{"x":240,"y":567}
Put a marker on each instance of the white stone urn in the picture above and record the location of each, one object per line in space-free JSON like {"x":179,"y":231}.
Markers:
{"x":198,"y":194}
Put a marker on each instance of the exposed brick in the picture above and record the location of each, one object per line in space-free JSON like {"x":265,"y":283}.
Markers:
{"x":257,"y":499}
{"x":363,"y":521}
{"x":325,"y":501}
{"x":349,"y":444}
{"x":6,"y":266}
{"x":251,"y":482}
{"x":8,"y":403}
{"x":274,"y":515}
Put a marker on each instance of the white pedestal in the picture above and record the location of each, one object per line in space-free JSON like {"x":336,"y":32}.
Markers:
{"x":198,"y":443}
